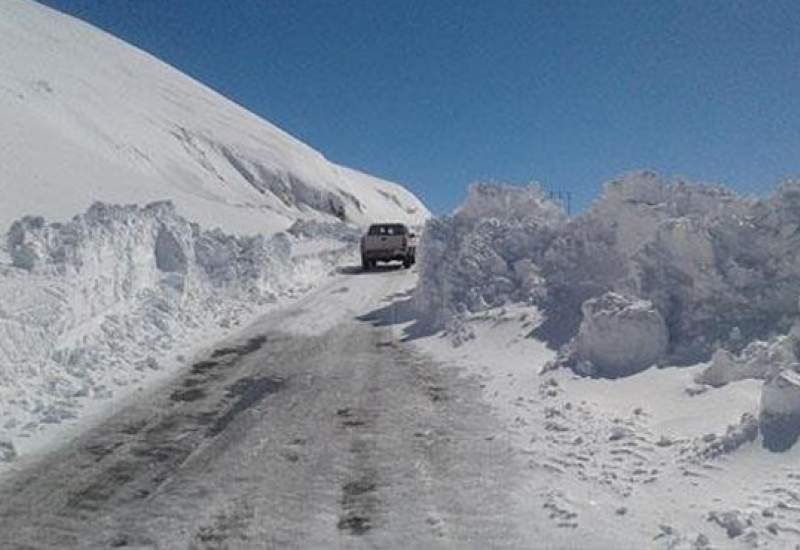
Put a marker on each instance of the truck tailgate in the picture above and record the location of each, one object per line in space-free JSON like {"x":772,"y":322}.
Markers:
{"x":383,"y":242}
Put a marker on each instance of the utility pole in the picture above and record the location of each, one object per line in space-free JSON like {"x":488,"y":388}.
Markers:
{"x":564,"y":198}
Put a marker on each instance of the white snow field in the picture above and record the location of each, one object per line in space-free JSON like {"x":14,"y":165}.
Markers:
{"x":225,"y":216}
{"x":644,"y":355}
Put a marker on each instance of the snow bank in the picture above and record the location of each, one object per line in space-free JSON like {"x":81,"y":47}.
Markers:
{"x":721,"y":270}
{"x":619,"y":336}
{"x":94,"y":304}
{"x":779,"y":419}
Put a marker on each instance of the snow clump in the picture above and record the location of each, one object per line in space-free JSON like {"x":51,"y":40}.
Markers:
{"x":779,"y":419}
{"x":620,"y":335}
{"x":759,"y":360}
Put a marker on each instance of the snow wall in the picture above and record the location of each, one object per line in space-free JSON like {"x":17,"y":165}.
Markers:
{"x":720,"y":269}
{"x":94,"y":304}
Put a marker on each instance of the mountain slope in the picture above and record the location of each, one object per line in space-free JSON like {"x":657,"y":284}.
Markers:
{"x":88,"y":117}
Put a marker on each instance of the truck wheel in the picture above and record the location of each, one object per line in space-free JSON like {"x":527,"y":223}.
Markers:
{"x":407,"y":263}
{"x":365,"y":263}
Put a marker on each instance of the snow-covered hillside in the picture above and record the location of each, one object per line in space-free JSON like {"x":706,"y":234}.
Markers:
{"x":89,"y":118}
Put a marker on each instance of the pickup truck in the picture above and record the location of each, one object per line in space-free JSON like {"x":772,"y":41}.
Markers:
{"x":386,"y":242}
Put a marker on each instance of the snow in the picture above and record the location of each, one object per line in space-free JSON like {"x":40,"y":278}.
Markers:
{"x":89,"y":118}
{"x":619,"y":336}
{"x":758,"y":360}
{"x":633,"y":462}
{"x":689,"y":290}
{"x":780,"y":409}
{"x":720,"y":269}
{"x":103,"y":302}
{"x":484,"y":255}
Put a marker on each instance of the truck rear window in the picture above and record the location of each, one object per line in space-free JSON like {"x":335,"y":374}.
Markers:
{"x":388,"y":229}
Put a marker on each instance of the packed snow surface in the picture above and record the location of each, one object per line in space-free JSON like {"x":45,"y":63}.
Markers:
{"x":89,"y":118}
{"x":644,"y":461}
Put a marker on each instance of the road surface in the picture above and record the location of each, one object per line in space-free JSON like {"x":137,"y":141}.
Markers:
{"x":317,"y":427}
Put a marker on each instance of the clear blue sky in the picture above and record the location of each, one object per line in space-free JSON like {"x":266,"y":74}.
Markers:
{"x":436,"y":94}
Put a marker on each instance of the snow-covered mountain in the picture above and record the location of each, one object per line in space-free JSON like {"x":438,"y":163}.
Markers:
{"x":87,"y":117}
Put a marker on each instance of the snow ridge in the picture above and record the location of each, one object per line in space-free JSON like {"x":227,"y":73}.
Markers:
{"x":720,"y":270}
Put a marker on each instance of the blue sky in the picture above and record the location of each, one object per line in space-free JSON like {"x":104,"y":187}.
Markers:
{"x":436,"y":94}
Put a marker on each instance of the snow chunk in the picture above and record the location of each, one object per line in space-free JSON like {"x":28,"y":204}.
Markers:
{"x":759,"y":360}
{"x":780,"y":410}
{"x":620,"y":335}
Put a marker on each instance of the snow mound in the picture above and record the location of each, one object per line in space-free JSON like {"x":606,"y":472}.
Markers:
{"x":619,"y":335}
{"x":759,"y":360}
{"x":87,"y":117}
{"x":481,"y":257}
{"x":779,"y":419}
{"x":96,"y":303}
{"x":719,"y":269}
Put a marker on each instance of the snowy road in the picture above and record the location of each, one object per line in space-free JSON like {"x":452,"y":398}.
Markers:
{"x":312,"y":429}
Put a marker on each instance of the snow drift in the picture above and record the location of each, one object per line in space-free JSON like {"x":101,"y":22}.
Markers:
{"x":93,"y":304}
{"x":87,"y":117}
{"x":719,"y":270}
